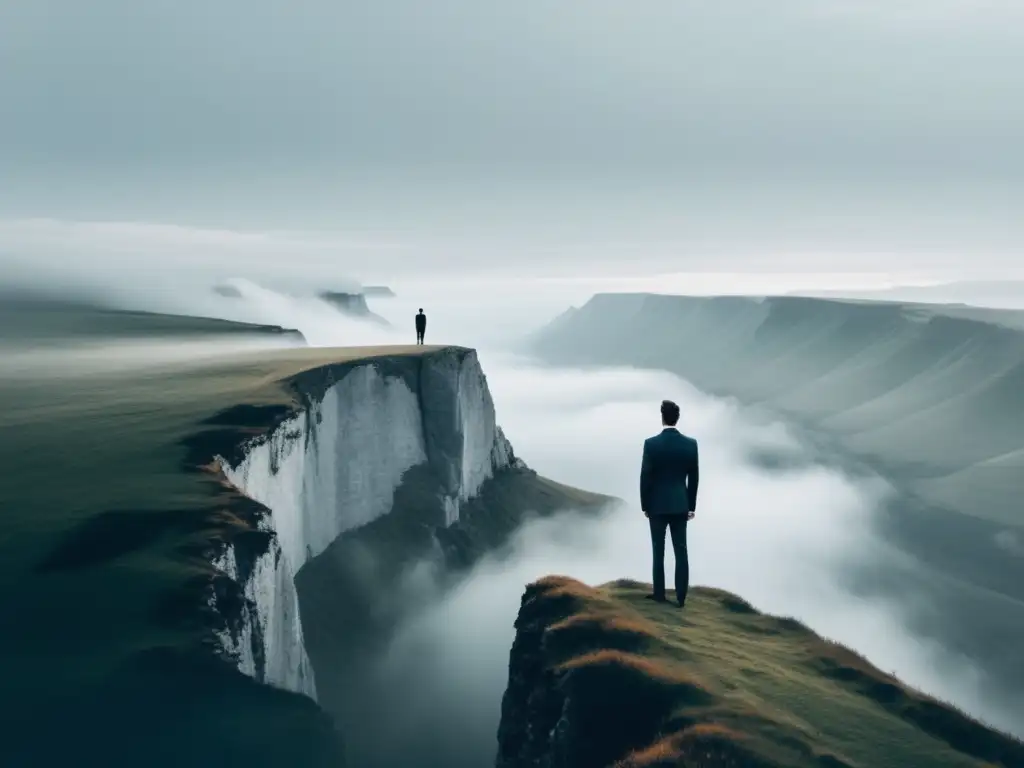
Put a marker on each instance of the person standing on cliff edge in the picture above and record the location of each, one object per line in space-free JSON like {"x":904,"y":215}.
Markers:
{"x":668,"y":497}
{"x":421,"y":326}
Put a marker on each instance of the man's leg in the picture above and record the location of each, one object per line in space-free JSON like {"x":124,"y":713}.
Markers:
{"x":659,"y":524}
{"x":677,"y":527}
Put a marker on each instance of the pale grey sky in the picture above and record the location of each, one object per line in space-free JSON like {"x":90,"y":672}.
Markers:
{"x":718,"y":127}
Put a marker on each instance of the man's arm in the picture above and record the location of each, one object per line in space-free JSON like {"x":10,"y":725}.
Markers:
{"x":692,"y":479}
{"x":646,"y":478}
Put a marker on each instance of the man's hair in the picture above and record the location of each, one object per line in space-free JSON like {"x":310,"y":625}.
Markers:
{"x":669,"y":413}
{"x":421,"y":309}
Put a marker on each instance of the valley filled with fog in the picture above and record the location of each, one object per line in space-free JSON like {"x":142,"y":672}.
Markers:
{"x":193,"y":193}
{"x":778,"y":522}
{"x":787,"y":533}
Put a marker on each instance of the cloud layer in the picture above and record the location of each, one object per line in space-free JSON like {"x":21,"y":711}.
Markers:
{"x":735,"y":130}
{"x":784,"y":538}
{"x":790,"y":85}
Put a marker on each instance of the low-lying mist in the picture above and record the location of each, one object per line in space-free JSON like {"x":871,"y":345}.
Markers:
{"x":784,"y":534}
{"x":775,"y":523}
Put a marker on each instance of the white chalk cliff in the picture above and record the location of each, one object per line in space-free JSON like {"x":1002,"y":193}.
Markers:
{"x":335,"y":466}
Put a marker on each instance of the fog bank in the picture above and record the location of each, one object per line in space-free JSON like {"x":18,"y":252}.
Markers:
{"x":773,"y":525}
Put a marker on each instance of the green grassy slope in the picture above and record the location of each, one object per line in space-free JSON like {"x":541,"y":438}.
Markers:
{"x":602,"y":676}
{"x":104,"y":520}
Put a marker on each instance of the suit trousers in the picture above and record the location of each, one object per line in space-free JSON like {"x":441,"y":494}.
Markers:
{"x":676,"y":524}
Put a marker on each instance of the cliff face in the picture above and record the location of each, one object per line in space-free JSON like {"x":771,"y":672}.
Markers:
{"x":602,"y":677}
{"x":334,"y":466}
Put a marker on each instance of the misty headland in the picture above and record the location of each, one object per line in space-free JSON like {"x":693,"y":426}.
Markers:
{"x":245,"y":521}
{"x":783,"y":523}
{"x":924,"y":395}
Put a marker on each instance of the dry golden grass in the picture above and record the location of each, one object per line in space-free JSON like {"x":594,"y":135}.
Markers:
{"x":705,"y":745}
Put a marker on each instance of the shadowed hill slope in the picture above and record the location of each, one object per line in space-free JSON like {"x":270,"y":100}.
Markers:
{"x":602,"y":677}
{"x":38,"y":320}
{"x":353,"y":305}
{"x":931,"y":398}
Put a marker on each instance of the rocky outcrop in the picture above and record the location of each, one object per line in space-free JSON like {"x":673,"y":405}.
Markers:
{"x":602,"y":677}
{"x":333,"y":465}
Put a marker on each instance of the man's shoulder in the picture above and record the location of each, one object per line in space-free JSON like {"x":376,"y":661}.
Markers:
{"x":671,"y":434}
{"x":691,"y":441}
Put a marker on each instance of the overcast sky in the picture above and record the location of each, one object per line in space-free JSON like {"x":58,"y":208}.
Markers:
{"x":815,"y":125}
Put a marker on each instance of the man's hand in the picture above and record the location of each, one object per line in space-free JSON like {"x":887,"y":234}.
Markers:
{"x":647,"y":514}
{"x":690,"y":515}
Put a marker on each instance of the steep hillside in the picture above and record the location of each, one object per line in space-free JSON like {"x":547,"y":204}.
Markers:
{"x":602,"y":677}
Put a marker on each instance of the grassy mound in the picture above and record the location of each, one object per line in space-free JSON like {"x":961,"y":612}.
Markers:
{"x":603,"y":677}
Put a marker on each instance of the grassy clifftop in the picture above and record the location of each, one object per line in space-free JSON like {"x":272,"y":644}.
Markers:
{"x":106,"y":522}
{"x":603,"y":677}
{"x":928,"y":397}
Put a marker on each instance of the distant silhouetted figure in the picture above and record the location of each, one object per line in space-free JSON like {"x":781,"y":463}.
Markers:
{"x":421,"y":326}
{"x":668,"y":497}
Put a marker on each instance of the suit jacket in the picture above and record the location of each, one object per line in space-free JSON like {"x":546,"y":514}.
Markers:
{"x":669,"y":474}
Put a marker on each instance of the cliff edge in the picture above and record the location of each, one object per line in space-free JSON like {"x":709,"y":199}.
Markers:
{"x":602,"y":677}
{"x":157,"y":516}
{"x":396,"y":440}
{"x":929,"y":397}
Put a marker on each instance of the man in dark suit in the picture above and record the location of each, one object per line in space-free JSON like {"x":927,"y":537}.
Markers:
{"x":421,"y":326}
{"x":668,"y":497}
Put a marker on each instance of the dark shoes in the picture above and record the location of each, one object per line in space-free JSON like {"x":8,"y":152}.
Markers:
{"x":663,"y":599}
